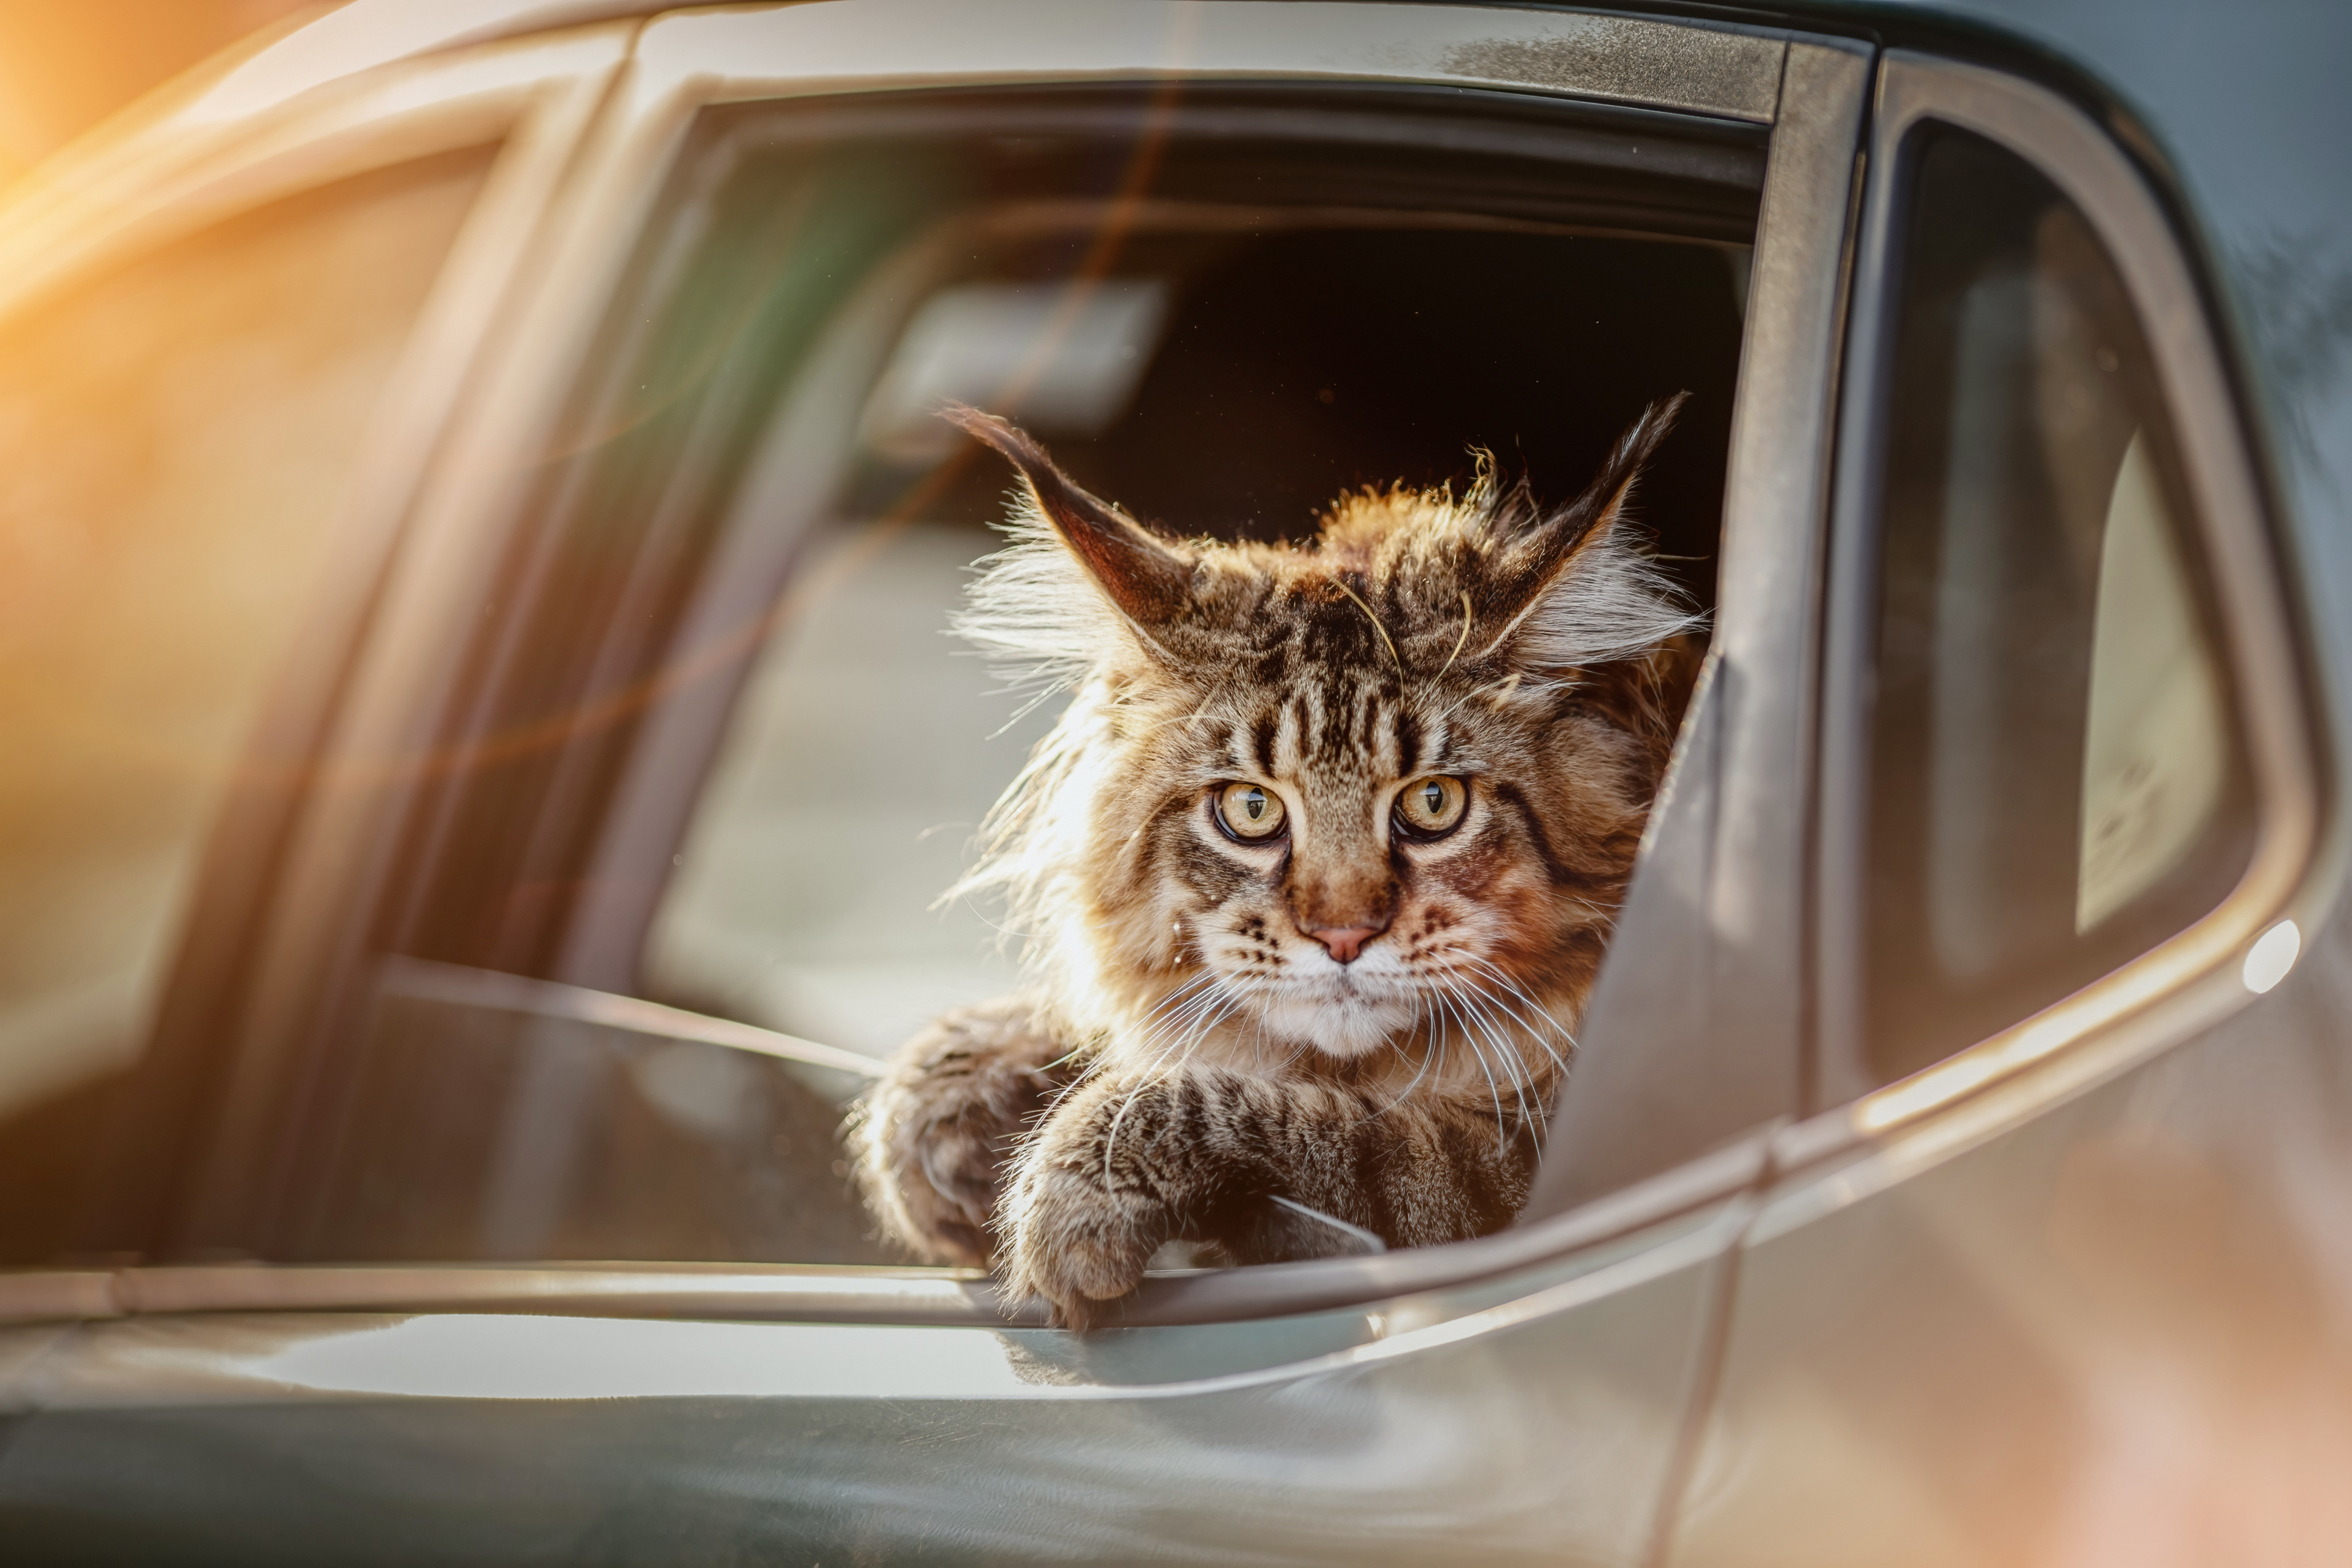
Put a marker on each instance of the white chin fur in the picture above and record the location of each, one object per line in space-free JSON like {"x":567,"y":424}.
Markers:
{"x":1336,"y":1023}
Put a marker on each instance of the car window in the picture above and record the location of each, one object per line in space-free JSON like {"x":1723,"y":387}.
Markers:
{"x":175,"y":439}
{"x":738,"y":759}
{"x":808,"y":893}
{"x":2056,"y":780}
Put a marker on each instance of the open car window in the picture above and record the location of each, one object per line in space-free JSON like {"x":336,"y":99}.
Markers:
{"x":726,"y":758}
{"x":1221,"y":382}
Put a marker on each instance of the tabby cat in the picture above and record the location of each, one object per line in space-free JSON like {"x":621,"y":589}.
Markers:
{"x":1315,"y":873}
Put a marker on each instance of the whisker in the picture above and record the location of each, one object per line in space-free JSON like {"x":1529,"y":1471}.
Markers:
{"x":1161,"y":1068}
{"x":1493,"y":1089}
{"x":1426,"y":1055}
{"x":1167,"y":1018}
{"x":1506,"y":1042}
{"x":1507,"y":1057}
{"x":1523,"y":1079}
{"x":1517,"y":994}
{"x":1516,"y":1004}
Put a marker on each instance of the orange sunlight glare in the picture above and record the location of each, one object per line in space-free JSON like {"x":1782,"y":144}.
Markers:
{"x":67,"y":65}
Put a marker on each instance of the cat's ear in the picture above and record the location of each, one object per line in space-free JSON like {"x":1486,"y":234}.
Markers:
{"x":1149,"y":582}
{"x":1570,"y":587}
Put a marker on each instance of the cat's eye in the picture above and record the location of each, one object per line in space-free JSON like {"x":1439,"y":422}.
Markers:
{"x":1249,"y":811}
{"x":1432,"y":805}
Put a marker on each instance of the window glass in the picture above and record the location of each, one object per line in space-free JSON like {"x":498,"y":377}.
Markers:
{"x":175,"y":439}
{"x":2055,"y":777}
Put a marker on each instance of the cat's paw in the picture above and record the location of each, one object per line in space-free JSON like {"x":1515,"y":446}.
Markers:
{"x":933,"y":1135}
{"x":1075,"y":1242}
{"x":1119,"y":1169}
{"x":935,"y":1188}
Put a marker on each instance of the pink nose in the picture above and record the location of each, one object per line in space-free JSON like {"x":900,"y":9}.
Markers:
{"x":1343,"y":942}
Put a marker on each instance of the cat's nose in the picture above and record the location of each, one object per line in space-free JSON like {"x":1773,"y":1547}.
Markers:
{"x":1343,"y":942}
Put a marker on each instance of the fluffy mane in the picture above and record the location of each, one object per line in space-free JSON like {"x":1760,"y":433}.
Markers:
{"x":1485,"y":596}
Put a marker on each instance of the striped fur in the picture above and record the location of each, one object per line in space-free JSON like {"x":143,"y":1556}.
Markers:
{"x":1185,"y":1047}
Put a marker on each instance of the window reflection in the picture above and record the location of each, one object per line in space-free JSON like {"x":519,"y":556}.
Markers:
{"x":2154,"y":764}
{"x":2054,"y":774}
{"x":176,"y":441}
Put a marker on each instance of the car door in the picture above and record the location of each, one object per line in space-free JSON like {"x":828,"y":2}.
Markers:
{"x":2054,"y":1270}
{"x":541,"y":1247}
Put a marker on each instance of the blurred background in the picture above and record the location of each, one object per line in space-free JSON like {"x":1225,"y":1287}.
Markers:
{"x":66,"y":65}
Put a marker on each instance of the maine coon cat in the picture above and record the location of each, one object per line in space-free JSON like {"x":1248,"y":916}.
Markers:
{"x":1314,"y":874}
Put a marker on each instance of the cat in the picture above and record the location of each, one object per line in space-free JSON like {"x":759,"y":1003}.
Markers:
{"x":1315,"y":873}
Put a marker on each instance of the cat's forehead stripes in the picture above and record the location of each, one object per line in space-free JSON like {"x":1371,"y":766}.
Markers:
{"x":1359,"y":729}
{"x":1262,"y":730}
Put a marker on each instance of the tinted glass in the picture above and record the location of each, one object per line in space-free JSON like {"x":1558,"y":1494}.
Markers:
{"x":176,"y":441}
{"x":2055,"y":777}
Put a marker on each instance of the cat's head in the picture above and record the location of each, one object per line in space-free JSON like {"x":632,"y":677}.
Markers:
{"x":1381,"y":789}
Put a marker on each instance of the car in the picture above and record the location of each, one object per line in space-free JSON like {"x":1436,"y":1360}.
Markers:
{"x":481,"y":757}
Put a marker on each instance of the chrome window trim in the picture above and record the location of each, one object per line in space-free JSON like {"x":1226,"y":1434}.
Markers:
{"x":2190,"y":980}
{"x":687,"y":60}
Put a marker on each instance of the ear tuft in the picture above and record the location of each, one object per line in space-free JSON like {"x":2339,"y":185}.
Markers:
{"x":1583,"y":593}
{"x":1148,"y":582}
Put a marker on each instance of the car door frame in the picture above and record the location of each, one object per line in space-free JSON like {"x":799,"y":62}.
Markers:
{"x":2239,"y":549}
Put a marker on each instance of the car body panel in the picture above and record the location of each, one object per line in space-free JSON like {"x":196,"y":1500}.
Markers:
{"x":2090,"y":1312}
{"x":1538,"y":1429}
{"x":2110,"y":1330}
